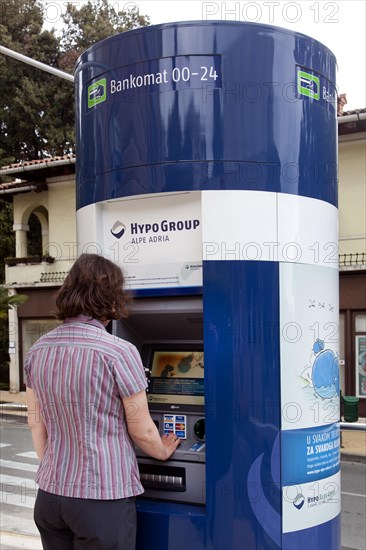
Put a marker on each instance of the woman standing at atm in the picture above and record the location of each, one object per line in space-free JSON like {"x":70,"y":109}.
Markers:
{"x":86,"y":406}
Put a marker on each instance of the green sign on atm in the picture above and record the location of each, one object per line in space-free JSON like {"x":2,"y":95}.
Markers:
{"x":308,"y":84}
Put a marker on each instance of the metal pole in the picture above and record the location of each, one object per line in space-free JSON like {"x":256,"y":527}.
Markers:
{"x":37,"y":64}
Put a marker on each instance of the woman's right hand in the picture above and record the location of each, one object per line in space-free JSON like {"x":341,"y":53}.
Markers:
{"x":170,"y":442}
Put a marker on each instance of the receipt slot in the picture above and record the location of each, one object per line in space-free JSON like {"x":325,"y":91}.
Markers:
{"x":207,"y":169}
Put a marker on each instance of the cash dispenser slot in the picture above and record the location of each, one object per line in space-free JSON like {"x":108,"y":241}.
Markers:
{"x":162,"y":478}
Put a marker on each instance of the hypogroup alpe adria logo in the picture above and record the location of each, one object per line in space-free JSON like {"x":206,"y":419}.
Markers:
{"x":118,"y":229}
{"x":299,"y":501}
{"x":97,"y":92}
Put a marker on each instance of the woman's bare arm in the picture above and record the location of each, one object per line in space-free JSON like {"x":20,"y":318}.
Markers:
{"x":36,"y":424}
{"x":144,"y":432}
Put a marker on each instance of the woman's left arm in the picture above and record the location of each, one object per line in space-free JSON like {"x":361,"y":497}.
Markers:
{"x":36,"y":424}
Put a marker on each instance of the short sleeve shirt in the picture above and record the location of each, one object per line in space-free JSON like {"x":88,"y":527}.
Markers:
{"x":79,"y":373}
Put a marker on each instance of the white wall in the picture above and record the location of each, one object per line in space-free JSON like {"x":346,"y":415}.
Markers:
{"x":352,"y":196}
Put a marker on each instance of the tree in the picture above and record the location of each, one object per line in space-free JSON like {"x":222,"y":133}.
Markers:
{"x":7,"y":302}
{"x":95,"y":21}
{"x":36,"y":108}
{"x":27,"y":94}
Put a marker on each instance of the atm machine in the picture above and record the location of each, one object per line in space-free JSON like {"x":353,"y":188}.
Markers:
{"x":169,"y":335}
{"x":206,"y":169}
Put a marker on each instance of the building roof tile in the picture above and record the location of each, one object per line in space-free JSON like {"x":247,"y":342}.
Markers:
{"x":35,"y":162}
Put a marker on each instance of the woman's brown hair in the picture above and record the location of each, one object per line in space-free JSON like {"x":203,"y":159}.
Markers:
{"x":94,"y":287}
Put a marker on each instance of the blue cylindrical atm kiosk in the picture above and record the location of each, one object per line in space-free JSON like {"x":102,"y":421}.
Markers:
{"x":207,"y":169}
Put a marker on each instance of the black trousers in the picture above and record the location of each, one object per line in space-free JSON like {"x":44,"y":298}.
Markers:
{"x":75,"y":523}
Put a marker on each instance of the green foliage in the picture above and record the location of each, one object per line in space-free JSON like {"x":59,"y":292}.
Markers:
{"x":27,"y":93}
{"x":96,"y":20}
{"x":7,"y":302}
{"x":37,"y":108}
{"x":5,"y":161}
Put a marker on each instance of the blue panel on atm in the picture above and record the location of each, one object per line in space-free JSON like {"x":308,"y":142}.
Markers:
{"x":242,"y":392}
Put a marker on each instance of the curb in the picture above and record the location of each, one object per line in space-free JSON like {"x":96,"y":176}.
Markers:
{"x":13,"y":413}
{"x":353,"y":458}
{"x":13,"y":406}
{"x":19,"y":540}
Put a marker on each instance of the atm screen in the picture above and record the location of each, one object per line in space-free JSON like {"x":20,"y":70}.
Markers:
{"x":176,"y":377}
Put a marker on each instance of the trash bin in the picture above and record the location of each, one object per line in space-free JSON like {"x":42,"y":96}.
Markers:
{"x":350,"y":408}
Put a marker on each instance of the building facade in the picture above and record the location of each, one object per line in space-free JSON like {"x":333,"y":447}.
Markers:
{"x":352,"y":253}
{"x":47,"y":190}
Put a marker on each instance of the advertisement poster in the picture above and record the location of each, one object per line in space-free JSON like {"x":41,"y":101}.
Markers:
{"x":309,"y":324}
{"x":310,"y":437}
{"x":361,"y":366}
{"x":310,"y":455}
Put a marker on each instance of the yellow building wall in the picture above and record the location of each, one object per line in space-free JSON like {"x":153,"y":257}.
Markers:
{"x":59,"y":239}
{"x":352,"y":197}
{"x":62,"y":220}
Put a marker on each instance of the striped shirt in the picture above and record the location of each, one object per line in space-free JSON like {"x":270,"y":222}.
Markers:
{"x":79,"y":373}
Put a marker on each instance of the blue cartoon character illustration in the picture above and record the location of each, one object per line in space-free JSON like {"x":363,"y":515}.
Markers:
{"x":325,"y":371}
{"x":322,"y":373}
